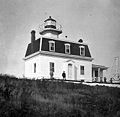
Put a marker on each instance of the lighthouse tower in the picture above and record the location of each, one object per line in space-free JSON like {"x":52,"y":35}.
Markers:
{"x":50,"y":28}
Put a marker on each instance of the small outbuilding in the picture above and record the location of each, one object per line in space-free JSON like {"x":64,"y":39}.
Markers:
{"x":97,"y":73}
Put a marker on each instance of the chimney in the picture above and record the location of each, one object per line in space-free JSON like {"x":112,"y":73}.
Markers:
{"x":32,"y":40}
{"x":32,"y":36}
{"x":66,"y":37}
{"x":80,"y":41}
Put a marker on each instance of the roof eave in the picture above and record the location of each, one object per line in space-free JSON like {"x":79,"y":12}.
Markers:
{"x":99,"y":66}
{"x":58,"y":55}
{"x":66,"y":55}
{"x":31,"y":55}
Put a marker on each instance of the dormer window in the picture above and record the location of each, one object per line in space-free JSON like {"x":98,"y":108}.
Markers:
{"x":51,"y":46}
{"x":82,"y":50}
{"x":67,"y":48}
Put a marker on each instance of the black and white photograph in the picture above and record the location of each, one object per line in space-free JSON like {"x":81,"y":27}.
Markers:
{"x":59,"y":58}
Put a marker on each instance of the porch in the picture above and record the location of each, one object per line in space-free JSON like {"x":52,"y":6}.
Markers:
{"x":97,"y":73}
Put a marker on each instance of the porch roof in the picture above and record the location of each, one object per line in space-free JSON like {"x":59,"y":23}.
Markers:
{"x":99,"y":66}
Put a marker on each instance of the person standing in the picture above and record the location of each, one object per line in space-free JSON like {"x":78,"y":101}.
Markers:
{"x":111,"y":80}
{"x":64,"y":75}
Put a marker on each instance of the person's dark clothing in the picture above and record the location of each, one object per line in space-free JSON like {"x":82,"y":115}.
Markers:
{"x":63,"y":75}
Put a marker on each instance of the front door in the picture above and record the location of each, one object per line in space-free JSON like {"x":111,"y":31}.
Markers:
{"x":70,"y":71}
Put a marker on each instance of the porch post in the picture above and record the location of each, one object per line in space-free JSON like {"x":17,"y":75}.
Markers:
{"x":98,"y":74}
{"x":93,"y":77}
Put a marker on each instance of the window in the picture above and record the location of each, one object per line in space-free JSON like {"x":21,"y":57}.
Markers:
{"x":82,"y":50}
{"x":50,"y":23}
{"x":52,"y":66}
{"x":67,"y":48}
{"x":34,"y":67}
{"x":51,"y":45}
{"x":82,"y":70}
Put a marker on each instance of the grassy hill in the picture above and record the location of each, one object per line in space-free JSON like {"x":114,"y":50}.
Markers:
{"x":36,"y":98}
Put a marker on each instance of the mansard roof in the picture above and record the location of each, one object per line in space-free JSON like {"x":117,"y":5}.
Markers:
{"x":35,"y":48}
{"x":59,"y":47}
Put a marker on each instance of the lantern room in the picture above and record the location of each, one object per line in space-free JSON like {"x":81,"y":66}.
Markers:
{"x":50,"y":23}
{"x":50,"y":28}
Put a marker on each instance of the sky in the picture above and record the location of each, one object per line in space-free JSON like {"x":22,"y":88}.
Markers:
{"x":97,"y":22}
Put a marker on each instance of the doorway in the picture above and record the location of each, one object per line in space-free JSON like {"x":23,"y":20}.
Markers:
{"x":70,"y":71}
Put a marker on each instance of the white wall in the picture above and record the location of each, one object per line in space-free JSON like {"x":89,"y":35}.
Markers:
{"x":61,"y":64}
{"x":29,"y":67}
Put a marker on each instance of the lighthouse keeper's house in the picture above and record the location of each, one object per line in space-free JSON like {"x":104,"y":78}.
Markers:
{"x":53,"y":54}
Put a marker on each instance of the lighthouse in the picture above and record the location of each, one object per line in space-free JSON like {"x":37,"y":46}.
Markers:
{"x":50,"y":28}
{"x":52,"y":54}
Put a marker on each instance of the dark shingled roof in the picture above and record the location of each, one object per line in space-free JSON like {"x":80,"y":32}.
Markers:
{"x":36,"y":47}
{"x":59,"y":47}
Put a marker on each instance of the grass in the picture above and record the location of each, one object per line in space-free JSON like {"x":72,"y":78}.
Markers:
{"x":36,"y":98}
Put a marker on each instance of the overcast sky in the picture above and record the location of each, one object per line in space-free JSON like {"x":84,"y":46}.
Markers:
{"x":96,"y":21}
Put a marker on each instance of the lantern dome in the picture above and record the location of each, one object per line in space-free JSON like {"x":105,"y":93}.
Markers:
{"x":50,"y":28}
